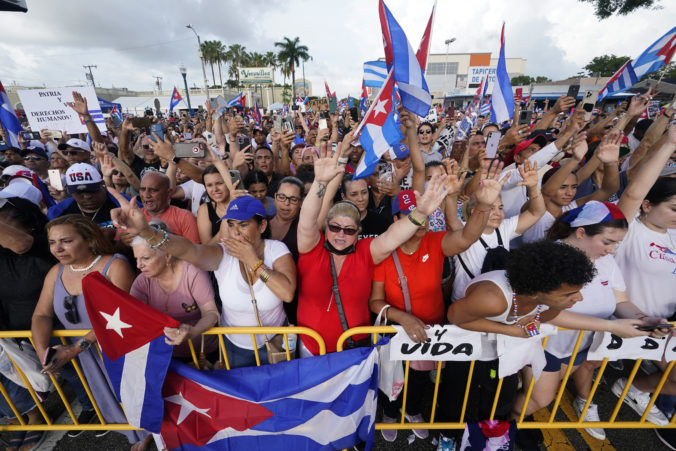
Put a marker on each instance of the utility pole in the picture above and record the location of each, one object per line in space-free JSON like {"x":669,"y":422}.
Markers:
{"x":158,"y":83}
{"x":90,"y":76}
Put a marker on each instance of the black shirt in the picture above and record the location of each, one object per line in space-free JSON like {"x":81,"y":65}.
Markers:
{"x":139,"y":164}
{"x":273,"y":184}
{"x":101,"y":217}
{"x":374,"y":224}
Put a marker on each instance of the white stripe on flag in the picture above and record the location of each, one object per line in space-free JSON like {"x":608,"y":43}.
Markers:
{"x":416,"y":92}
{"x":133,"y":385}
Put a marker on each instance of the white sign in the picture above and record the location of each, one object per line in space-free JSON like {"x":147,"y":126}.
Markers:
{"x":477,"y":73}
{"x":47,"y":109}
{"x":610,"y":345}
{"x":255,"y":75}
{"x":670,"y":350}
{"x":443,"y":343}
{"x":515,"y":353}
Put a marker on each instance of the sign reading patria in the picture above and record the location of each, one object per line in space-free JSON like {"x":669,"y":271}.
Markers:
{"x":255,"y":75}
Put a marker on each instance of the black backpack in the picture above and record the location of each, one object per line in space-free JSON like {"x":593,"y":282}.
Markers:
{"x":496,"y":257}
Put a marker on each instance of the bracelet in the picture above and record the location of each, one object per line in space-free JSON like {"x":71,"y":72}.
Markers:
{"x":535,"y":197}
{"x":256,"y":266}
{"x":342,"y":160}
{"x":165,"y":239}
{"x":416,"y":221}
{"x":264,"y":275}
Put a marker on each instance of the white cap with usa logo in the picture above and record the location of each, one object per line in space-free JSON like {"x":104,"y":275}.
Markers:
{"x":82,"y":177}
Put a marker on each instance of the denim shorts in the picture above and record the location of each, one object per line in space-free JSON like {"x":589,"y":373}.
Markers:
{"x":554,"y":363}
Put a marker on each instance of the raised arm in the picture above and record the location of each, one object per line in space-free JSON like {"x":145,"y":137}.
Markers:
{"x":647,"y":145}
{"x":536,"y":204}
{"x":411,"y":136}
{"x":79,"y":105}
{"x":559,"y":177}
{"x":608,"y":153}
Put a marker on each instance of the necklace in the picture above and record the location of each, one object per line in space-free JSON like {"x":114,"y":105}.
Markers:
{"x":532,"y":329}
{"x":93,"y":217}
{"x":86,"y":268}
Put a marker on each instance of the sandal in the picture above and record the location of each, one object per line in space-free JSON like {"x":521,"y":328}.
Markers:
{"x":16,"y":441}
{"x":33,"y":440}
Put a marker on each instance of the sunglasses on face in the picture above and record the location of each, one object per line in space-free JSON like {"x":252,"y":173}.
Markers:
{"x":116,"y":172}
{"x":146,"y":146}
{"x":425,"y":132}
{"x":72,"y":153}
{"x":283,"y":198}
{"x":35,"y":158}
{"x":349,"y":231}
{"x":69,"y":305}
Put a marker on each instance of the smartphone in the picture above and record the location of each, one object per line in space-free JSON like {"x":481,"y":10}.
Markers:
{"x":156,"y":129}
{"x":213,"y":103}
{"x":141,"y":122}
{"x":385,"y":171}
{"x":55,"y":179}
{"x":525,"y":117}
{"x":573,"y":90}
{"x":189,"y":150}
{"x":588,"y":102}
{"x":354,"y":114}
{"x":27,"y":136}
{"x":519,"y":94}
{"x":210,"y":137}
{"x":243,"y":141}
{"x":333,"y":105}
{"x":187,"y":135}
{"x":287,"y":124}
{"x":324,"y":114}
{"x":49,"y":355}
{"x":492,"y":144}
{"x":278,"y":125}
{"x":650,"y":328}
{"x":322,"y":124}
{"x":334,"y":147}
{"x":236,"y":176}
{"x":295,"y":107}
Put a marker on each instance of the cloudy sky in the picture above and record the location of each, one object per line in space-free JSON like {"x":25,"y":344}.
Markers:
{"x":132,"y":41}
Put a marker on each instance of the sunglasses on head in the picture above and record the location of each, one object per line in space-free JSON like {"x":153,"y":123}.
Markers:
{"x":69,"y":305}
{"x":346,"y":230}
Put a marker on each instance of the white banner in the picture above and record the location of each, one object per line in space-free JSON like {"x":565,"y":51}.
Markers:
{"x":477,"y":73}
{"x":443,"y":343}
{"x":610,"y":345}
{"x":47,"y":109}
{"x":670,"y":350}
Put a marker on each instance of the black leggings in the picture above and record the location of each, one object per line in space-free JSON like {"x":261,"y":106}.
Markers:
{"x":418,"y":383}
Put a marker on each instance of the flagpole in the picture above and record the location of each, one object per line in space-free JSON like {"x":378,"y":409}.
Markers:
{"x":659,"y":80}
{"x":373,"y":104}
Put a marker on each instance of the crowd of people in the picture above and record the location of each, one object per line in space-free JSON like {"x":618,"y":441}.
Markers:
{"x":572,"y":223}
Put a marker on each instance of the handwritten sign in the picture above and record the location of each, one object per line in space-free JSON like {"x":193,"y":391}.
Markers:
{"x":443,"y":343}
{"x":670,"y":350}
{"x":613,"y":347}
{"x":47,"y":109}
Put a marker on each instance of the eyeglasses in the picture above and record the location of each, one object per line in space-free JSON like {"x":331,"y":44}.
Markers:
{"x":425,"y":132}
{"x":34,"y":158}
{"x":72,"y":314}
{"x":349,"y":231}
{"x":146,"y":146}
{"x":283,"y":198}
{"x":72,"y":153}
{"x":116,"y":172}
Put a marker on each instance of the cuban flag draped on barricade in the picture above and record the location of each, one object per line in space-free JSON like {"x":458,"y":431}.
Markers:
{"x":321,"y":403}
{"x":400,"y":58}
{"x":175,"y":99}
{"x":239,"y":99}
{"x":8,"y":119}
{"x":502,"y":102}
{"x":653,"y":58}
{"x":379,"y":131}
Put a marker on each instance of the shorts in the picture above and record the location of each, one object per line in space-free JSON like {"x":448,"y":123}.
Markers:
{"x":554,"y":363}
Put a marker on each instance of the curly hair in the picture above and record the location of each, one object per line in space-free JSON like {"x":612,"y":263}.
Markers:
{"x":543,"y":266}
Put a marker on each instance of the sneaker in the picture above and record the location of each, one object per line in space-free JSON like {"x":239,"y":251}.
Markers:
{"x":420,"y":433}
{"x":592,"y":415}
{"x":446,"y":444}
{"x":101,"y":433}
{"x":616,"y":364}
{"x":668,"y":437}
{"x":638,"y":401}
{"x":85,"y":417}
{"x":389,"y":435}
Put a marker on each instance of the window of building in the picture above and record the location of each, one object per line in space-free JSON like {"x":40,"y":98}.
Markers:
{"x":438,"y":68}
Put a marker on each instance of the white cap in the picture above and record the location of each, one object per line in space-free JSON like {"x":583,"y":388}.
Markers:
{"x":75,"y":143}
{"x":22,"y":190}
{"x":82,"y":177}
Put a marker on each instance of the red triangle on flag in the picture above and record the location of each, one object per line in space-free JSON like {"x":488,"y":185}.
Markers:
{"x":121,"y":322}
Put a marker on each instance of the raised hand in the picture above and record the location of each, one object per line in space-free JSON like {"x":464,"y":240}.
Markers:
{"x":162,"y":147}
{"x":580,"y":146}
{"x":490,"y":184}
{"x":79,"y":103}
{"x":107,"y":165}
{"x":455,"y":177}
{"x":326,"y":168}
{"x":529,"y":174}
{"x":128,"y":216}
{"x":609,"y":149}
{"x":563,"y":103}
{"x":433,"y":195}
{"x":639,"y":103}
{"x":100,"y":149}
{"x":241,"y":250}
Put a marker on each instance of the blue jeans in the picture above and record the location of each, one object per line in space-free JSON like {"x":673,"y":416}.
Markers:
{"x":240,"y":357}
{"x":20,"y":397}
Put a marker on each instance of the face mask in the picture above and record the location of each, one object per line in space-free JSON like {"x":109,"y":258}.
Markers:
{"x":329,"y":247}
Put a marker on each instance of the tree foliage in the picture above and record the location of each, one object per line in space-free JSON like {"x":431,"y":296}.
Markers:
{"x":291,"y":53}
{"x":605,"y":65}
{"x":606,"y":8}
{"x":521,"y":80}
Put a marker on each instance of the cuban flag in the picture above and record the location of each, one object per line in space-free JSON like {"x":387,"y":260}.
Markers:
{"x":657,"y":55}
{"x":379,"y":131}
{"x":8,"y":119}
{"x":364,"y":101}
{"x":114,"y":112}
{"x":175,"y":98}
{"x":136,"y":357}
{"x":239,"y":99}
{"x":320,"y":403}
{"x":375,"y":73}
{"x":328,"y":91}
{"x":257,"y":114}
{"x":623,"y":79}
{"x":485,"y":108}
{"x":502,"y":105}
{"x":408,"y":73}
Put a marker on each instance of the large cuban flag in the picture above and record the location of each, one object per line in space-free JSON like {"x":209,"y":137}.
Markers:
{"x":8,"y":119}
{"x":502,"y":102}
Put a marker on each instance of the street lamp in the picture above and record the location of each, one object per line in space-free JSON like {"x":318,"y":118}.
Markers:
{"x":199,"y":52}
{"x":184,"y":72}
{"x":447,"y":42}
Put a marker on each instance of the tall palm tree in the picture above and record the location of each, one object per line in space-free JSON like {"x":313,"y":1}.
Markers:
{"x":210,"y":55}
{"x":271,"y":61}
{"x":291,"y":52}
{"x":236,"y":55}
{"x":219,"y":58}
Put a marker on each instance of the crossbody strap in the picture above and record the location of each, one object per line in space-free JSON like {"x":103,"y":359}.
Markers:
{"x":339,"y":304}
{"x":402,"y":281}
{"x":253,"y":301}
{"x":464,"y":266}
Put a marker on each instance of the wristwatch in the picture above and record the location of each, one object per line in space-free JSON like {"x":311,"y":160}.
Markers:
{"x":175,"y":160}
{"x":85,"y":344}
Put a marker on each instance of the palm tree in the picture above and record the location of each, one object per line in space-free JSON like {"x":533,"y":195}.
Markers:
{"x":236,"y":55}
{"x":220,"y":57}
{"x":210,"y":55}
{"x":271,"y":61}
{"x":291,"y":53}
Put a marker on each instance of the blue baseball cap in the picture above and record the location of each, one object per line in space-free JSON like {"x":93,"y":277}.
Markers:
{"x":244,"y":208}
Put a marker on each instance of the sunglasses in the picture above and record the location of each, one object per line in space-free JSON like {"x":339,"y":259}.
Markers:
{"x":69,"y":305}
{"x":35,"y":158}
{"x":72,"y":153}
{"x":349,"y":231}
{"x":425,"y":132}
{"x":116,"y":172}
{"x":146,"y":146}
{"x":282,"y":198}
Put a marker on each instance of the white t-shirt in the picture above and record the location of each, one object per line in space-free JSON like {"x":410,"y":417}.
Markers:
{"x":539,"y":230}
{"x":648,"y":262}
{"x":475,"y":255}
{"x":193,"y":191}
{"x":598,"y":300}
{"x":236,"y":298}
